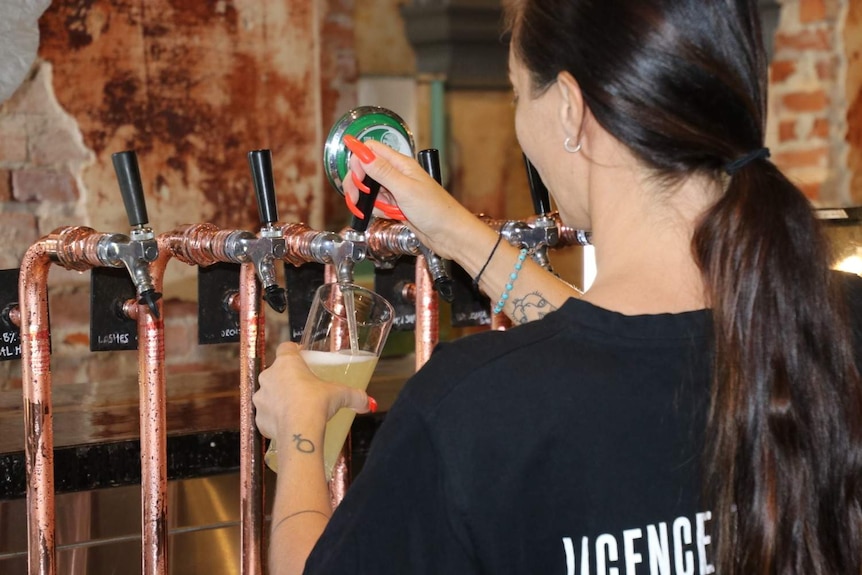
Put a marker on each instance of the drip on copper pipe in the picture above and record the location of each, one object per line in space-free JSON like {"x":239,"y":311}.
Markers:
{"x":252,"y":350}
{"x":74,"y":248}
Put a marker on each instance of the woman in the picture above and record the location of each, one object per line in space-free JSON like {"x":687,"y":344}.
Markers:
{"x":698,"y":410}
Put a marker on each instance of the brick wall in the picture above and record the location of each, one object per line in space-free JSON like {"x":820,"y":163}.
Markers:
{"x":808,"y":108}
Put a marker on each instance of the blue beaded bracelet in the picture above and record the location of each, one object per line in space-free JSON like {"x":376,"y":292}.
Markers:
{"x":501,"y":303}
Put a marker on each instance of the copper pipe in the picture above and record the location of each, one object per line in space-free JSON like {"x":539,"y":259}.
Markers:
{"x":298,"y":240}
{"x":15,"y":316}
{"x":204,"y":245}
{"x":427,"y":333}
{"x":340,"y":476}
{"x":153,"y":424}
{"x":252,"y":350}
{"x":73,"y":248}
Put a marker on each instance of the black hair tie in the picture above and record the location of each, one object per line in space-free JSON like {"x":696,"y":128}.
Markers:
{"x":743,"y":161}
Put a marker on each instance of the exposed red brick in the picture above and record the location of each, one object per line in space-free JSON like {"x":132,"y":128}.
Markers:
{"x":77,"y":339}
{"x":43,"y":185}
{"x":820,"y":39}
{"x":806,"y":101}
{"x":5,"y":186}
{"x":811,"y":190}
{"x":802,"y":158}
{"x":787,"y":130}
{"x":782,"y":69}
{"x":812,"y":11}
{"x":820,"y":129}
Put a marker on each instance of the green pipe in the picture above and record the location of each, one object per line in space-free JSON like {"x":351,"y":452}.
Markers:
{"x":438,"y":124}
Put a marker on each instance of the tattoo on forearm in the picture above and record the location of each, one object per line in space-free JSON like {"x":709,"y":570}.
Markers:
{"x":303,"y":445}
{"x":531,"y":306}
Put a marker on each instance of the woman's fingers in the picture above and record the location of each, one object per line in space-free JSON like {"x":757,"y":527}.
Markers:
{"x":289,"y":391}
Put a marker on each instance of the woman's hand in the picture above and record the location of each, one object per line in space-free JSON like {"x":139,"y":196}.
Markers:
{"x":291,"y":396}
{"x":432,"y":213}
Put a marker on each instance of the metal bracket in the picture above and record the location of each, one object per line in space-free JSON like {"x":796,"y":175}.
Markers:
{"x":10,"y":335}
{"x":218,"y":303}
{"x":470,"y":307}
{"x":301,"y":281}
{"x":391,"y":284}
{"x":110,"y":328}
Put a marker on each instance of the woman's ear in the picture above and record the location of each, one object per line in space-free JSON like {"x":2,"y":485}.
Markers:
{"x":572,"y":110}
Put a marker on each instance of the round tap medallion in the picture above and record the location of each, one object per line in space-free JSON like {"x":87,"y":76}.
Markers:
{"x":363,"y":123}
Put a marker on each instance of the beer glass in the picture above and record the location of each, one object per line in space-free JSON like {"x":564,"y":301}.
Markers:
{"x":344,"y":335}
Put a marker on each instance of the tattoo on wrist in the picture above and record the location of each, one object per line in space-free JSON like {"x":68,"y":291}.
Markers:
{"x":303,"y":445}
{"x":531,"y":306}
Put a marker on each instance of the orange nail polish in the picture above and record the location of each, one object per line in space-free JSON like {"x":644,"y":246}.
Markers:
{"x":352,"y":207}
{"x":391,"y":212}
{"x":372,"y":404}
{"x":359,"y":184}
{"x":362,"y":151}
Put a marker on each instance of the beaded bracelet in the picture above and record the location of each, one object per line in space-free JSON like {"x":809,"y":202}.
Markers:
{"x":522,"y":256}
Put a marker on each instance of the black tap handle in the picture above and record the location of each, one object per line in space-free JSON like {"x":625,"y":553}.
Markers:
{"x":260,"y":162}
{"x":129,"y":177}
{"x":430,"y":162}
{"x":538,"y":190}
{"x":365,"y":204}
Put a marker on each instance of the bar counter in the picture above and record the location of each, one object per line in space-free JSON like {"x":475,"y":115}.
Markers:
{"x":96,"y":433}
{"x":97,"y":472}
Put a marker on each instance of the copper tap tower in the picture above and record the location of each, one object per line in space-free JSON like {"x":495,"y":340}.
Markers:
{"x":74,"y":248}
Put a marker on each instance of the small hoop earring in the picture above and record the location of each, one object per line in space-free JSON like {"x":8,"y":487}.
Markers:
{"x":567,"y":144}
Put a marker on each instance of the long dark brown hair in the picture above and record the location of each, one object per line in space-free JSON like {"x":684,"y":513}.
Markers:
{"x":682,"y":84}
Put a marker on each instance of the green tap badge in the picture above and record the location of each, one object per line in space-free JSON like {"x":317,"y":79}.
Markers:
{"x":363,"y":123}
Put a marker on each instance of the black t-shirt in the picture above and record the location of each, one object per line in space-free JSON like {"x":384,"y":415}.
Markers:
{"x":569,"y":445}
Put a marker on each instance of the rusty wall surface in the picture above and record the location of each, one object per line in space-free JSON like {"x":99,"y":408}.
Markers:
{"x":853,"y":51}
{"x":338,"y":75}
{"x":192,"y":86}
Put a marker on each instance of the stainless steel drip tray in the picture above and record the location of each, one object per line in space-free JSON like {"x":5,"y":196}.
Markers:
{"x":86,"y":413}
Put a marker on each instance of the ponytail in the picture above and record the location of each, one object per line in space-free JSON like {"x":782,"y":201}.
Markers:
{"x":682,"y":85}
{"x":782,"y":467}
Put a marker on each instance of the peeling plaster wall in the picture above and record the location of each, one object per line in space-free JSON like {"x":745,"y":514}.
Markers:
{"x":192,"y":86}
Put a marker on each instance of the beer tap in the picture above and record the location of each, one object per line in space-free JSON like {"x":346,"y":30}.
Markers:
{"x":269,"y":245}
{"x":354,"y":248}
{"x":137,"y":251}
{"x":443,"y":285}
{"x":544,"y":232}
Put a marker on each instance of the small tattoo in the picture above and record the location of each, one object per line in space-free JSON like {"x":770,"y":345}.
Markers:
{"x":530,"y":307}
{"x":302,"y":444}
